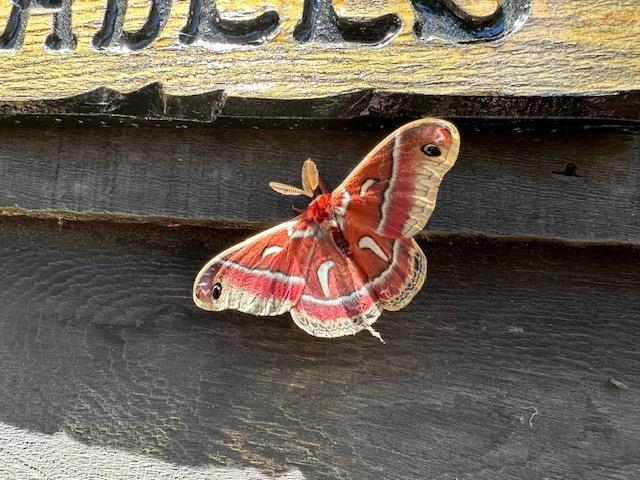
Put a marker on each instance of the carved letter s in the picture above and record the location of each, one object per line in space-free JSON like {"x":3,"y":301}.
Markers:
{"x":444,"y":19}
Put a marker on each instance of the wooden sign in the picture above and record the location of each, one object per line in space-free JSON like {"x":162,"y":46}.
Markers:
{"x":311,"y":48}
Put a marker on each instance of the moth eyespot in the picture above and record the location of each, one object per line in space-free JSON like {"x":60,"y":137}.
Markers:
{"x":216,"y":291}
{"x":431,"y":150}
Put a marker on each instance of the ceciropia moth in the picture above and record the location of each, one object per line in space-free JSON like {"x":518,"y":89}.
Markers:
{"x":350,"y":254}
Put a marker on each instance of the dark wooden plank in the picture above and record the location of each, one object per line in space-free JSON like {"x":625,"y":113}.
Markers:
{"x":507,"y":182}
{"x":499,"y":368}
{"x":152,"y":103}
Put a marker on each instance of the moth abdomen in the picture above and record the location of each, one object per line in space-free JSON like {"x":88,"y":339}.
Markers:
{"x":340,"y":240}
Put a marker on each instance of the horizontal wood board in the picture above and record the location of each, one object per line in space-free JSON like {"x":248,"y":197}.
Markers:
{"x":507,"y":181}
{"x":563,"y":48}
{"x":498,"y":369}
{"x":152,"y":104}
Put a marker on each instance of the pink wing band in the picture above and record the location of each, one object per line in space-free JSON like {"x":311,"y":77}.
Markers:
{"x":347,"y":314}
{"x":325,"y":310}
{"x":264,"y":283}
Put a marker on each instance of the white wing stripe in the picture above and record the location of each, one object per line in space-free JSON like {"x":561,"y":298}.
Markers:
{"x":307,"y":232}
{"x":387,"y":201}
{"x":282,"y":277}
{"x":342,"y":209}
{"x":249,"y":241}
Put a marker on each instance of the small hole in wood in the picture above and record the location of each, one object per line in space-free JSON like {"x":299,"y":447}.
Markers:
{"x":570,"y":170}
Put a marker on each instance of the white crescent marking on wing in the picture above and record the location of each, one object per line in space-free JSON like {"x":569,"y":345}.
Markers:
{"x":342,"y":209}
{"x":346,"y":198}
{"x":271,"y":250}
{"x":368,"y":242}
{"x":286,"y":225}
{"x":307,"y":232}
{"x":366,"y":185}
{"x":364,"y":290}
{"x":323,"y":276}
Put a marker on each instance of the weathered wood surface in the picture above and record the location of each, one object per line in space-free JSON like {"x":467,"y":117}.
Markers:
{"x":505,"y":183}
{"x":152,"y":104}
{"x":562,"y":47}
{"x":499,"y":368}
{"x":27,"y":454}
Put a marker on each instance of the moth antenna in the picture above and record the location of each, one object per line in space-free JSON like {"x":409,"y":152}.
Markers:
{"x":285,"y":189}
{"x":310,"y":177}
{"x":375,"y":333}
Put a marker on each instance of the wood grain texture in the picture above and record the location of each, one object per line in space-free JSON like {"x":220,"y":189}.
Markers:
{"x":564,"y":48}
{"x":28,"y":454}
{"x":499,"y":368}
{"x":152,"y":105}
{"x":505,"y":183}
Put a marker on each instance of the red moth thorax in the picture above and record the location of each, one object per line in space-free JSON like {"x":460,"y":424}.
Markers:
{"x":320,"y":208}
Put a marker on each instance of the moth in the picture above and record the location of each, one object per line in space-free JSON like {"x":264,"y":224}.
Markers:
{"x":350,"y":254}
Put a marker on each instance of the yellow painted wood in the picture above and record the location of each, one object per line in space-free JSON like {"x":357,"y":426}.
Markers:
{"x":565,"y":47}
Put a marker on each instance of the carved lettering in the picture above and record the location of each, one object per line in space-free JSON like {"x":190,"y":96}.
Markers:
{"x":321,"y":23}
{"x":61,"y":37}
{"x":445,"y":20}
{"x":112,"y":36}
{"x":440,"y":20}
{"x":207,"y":26}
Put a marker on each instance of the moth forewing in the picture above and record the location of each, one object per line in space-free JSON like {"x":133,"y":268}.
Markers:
{"x":285,"y":189}
{"x":310,"y":177}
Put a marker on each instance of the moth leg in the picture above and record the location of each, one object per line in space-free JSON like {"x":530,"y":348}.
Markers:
{"x":298,"y":210}
{"x":375,"y":333}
